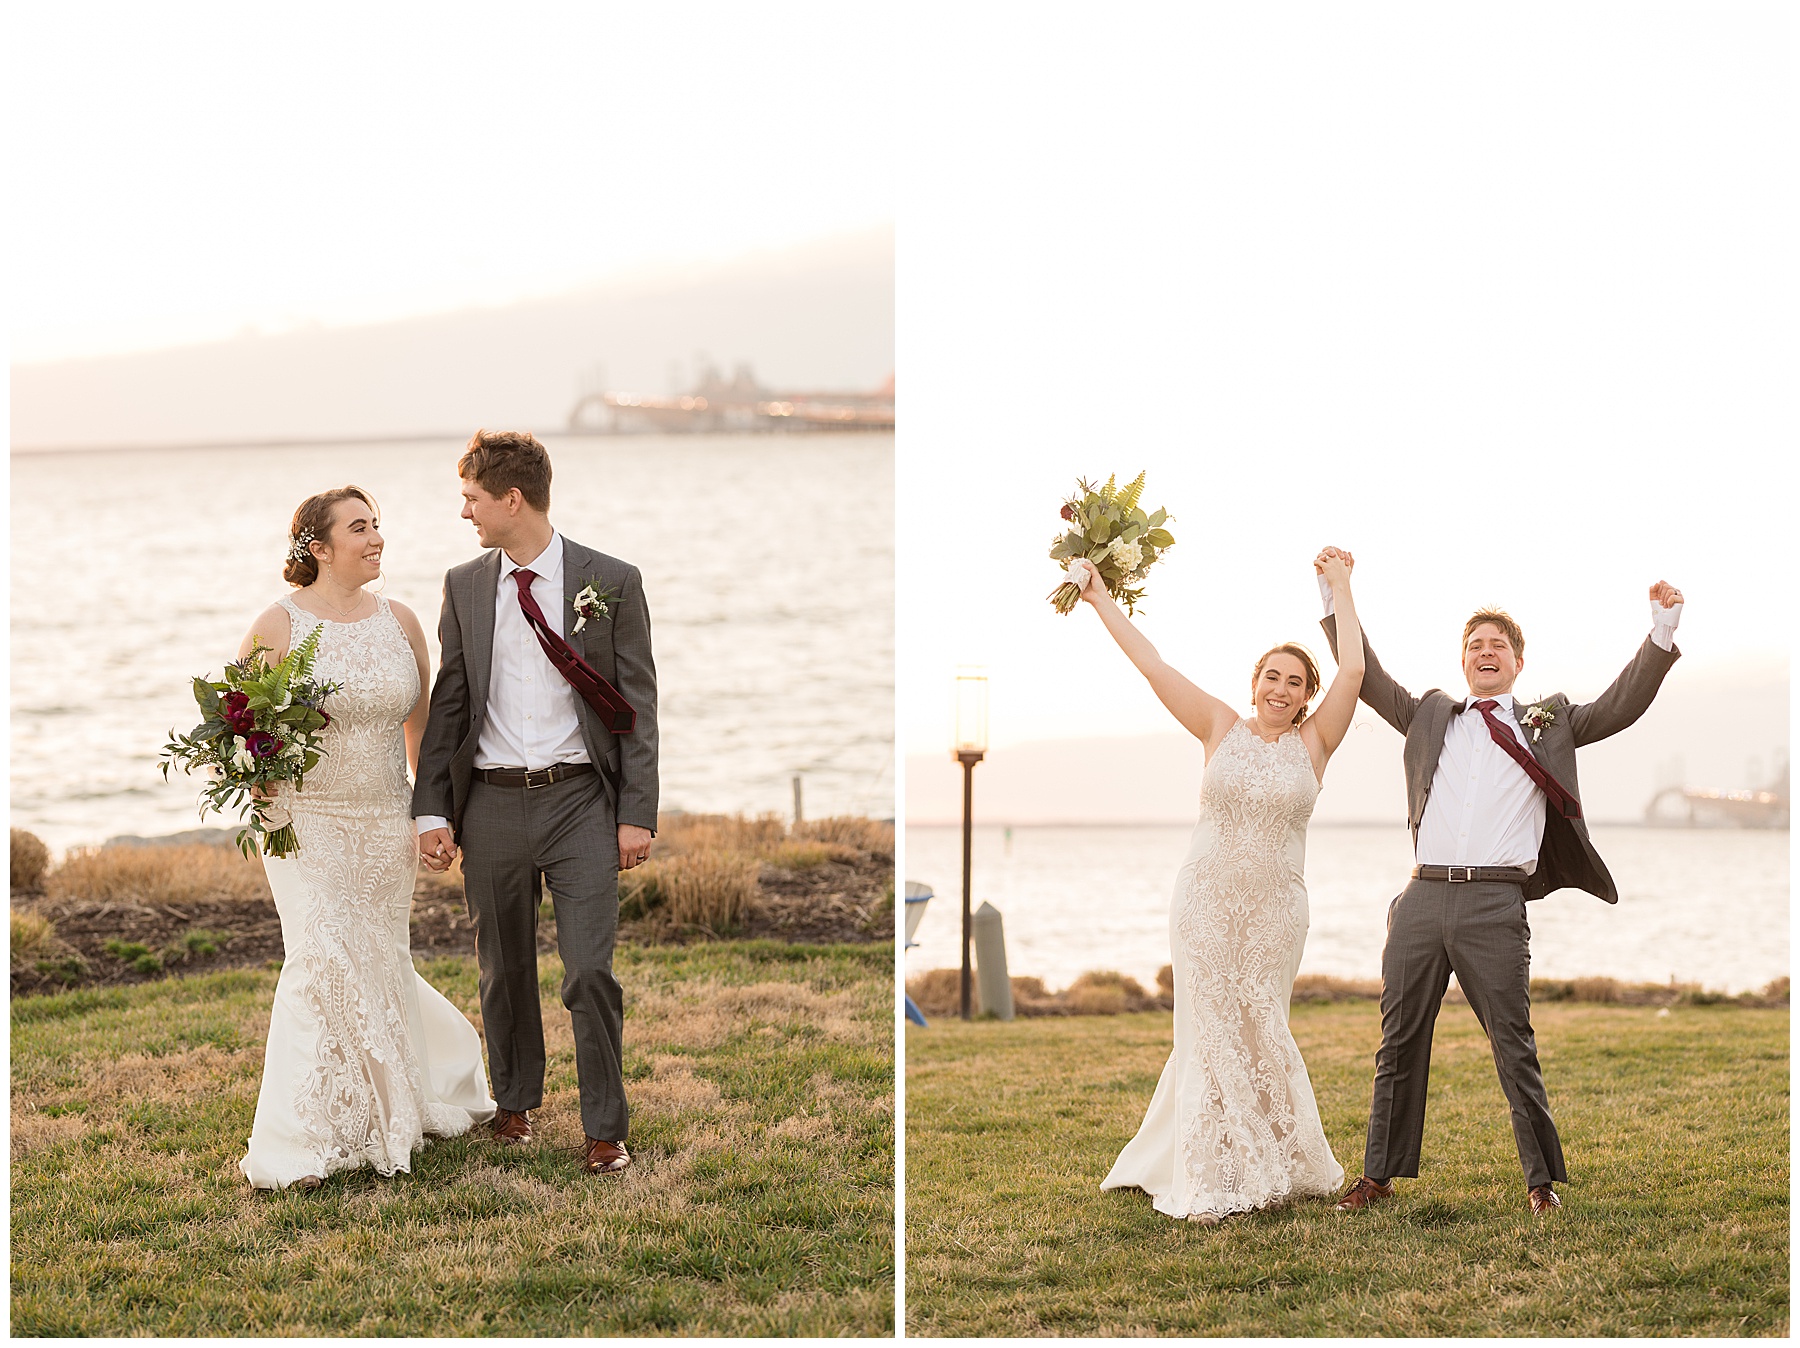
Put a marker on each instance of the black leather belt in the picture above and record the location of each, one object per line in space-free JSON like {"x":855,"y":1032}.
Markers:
{"x":556,"y":772}
{"x":1511,"y":875}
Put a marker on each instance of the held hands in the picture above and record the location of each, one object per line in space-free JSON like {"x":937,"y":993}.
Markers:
{"x":1664,"y":594}
{"x":1335,"y":564}
{"x":437,"y":849}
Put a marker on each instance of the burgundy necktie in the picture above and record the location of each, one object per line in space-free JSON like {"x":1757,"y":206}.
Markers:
{"x":1566,"y":805}
{"x":615,"y":713}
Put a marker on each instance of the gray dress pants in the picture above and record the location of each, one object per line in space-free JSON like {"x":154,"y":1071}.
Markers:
{"x":565,"y":834}
{"x":1478,"y":930}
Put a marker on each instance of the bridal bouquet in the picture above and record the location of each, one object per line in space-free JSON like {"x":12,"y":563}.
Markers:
{"x":262,"y":727}
{"x":1109,"y":529}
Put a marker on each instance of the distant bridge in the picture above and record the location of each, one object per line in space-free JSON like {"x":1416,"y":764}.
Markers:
{"x":736,"y":405}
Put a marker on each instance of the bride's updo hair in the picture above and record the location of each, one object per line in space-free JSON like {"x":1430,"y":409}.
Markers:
{"x":1307,"y":663}
{"x":312,"y":523}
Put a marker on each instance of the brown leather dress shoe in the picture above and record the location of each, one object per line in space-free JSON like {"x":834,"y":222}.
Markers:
{"x":604,"y":1158}
{"x":1544,"y":1199}
{"x":1365,"y":1193}
{"x":512,"y":1127}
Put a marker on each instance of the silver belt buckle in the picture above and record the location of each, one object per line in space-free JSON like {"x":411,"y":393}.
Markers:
{"x":549,"y":778}
{"x":1450,"y":874}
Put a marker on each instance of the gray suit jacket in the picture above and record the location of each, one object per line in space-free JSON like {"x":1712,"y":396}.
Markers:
{"x":617,"y":645}
{"x":1566,"y":857}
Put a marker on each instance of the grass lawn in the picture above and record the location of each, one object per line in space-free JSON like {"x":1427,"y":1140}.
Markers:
{"x":760,"y":1200}
{"x":1675,"y":1127}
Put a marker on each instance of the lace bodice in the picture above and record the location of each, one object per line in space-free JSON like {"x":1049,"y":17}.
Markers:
{"x":1257,"y":792}
{"x":364,"y":767}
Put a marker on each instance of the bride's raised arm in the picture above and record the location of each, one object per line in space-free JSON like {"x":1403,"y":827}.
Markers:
{"x":1331,"y":722}
{"x":1200,"y":713}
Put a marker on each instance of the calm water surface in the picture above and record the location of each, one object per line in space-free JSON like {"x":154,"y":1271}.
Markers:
{"x":768,"y":565}
{"x":1704,"y":906}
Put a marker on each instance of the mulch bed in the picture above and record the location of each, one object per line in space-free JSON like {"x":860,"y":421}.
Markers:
{"x":825,"y":904}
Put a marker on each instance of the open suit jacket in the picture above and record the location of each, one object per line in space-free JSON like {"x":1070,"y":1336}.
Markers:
{"x":1567,"y":857}
{"x":618,"y":645}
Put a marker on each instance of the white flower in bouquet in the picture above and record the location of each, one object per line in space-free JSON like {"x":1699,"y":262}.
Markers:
{"x":1130,"y":555}
{"x":241,"y":756}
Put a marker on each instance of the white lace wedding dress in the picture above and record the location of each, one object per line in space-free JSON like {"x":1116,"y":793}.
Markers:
{"x":364,"y":1056}
{"x":1233,"y":1125}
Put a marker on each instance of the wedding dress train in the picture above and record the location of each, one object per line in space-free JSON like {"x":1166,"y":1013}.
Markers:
{"x":364,"y":1057}
{"x":1233,"y":1125}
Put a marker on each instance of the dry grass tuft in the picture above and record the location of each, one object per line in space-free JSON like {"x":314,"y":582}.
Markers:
{"x":187,"y":874}
{"x":849,"y":830}
{"x":30,"y":859}
{"x":798,"y":854}
{"x":707,"y":890}
{"x":31,"y":936}
{"x":679,"y":834}
{"x":1105,"y":993}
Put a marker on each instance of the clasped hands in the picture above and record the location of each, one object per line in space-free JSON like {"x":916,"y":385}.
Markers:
{"x":437,"y":848}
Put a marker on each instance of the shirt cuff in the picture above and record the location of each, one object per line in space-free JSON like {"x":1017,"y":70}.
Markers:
{"x":427,"y":822}
{"x":1662,"y":624}
{"x":1325,"y":594}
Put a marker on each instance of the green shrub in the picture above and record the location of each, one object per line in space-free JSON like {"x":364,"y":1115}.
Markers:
{"x":138,"y":957}
{"x":69,"y":968}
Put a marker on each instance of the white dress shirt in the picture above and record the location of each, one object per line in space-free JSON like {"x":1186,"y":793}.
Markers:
{"x":1483,"y":810}
{"x":531,"y":718}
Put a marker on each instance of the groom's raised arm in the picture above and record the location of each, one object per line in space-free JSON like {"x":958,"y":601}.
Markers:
{"x":1389,"y":700}
{"x":448,"y":721}
{"x":635,"y":669}
{"x":1630,"y":694}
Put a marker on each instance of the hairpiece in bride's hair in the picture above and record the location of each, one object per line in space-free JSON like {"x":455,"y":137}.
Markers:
{"x":302,"y":545}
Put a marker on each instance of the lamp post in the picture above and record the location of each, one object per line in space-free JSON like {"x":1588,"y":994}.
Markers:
{"x":971,"y":748}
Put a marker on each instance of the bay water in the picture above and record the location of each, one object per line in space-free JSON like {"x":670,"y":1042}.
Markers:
{"x":768,"y":565}
{"x":1708,"y":906}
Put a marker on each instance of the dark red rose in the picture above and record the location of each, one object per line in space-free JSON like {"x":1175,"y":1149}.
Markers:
{"x":325,"y":714}
{"x":1068,"y":512}
{"x":234,"y":710}
{"x":262,"y":744}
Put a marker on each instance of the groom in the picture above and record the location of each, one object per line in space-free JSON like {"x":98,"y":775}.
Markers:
{"x":1495,"y":812}
{"x":539,"y":761}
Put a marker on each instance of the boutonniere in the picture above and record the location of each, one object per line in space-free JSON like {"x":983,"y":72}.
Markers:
{"x":592,"y":602}
{"x":1536,"y":717}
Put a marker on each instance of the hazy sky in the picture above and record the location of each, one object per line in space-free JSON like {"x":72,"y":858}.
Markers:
{"x":1501,"y":299}
{"x":185,"y":172}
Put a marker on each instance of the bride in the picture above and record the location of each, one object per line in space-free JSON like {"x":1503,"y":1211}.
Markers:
{"x":364,"y":1056}
{"x":1233,"y":1125}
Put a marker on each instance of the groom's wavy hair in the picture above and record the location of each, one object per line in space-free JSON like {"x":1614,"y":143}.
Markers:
{"x":312,"y":522}
{"x":498,"y":461}
{"x":1503,"y":620}
{"x":1305,"y":657}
